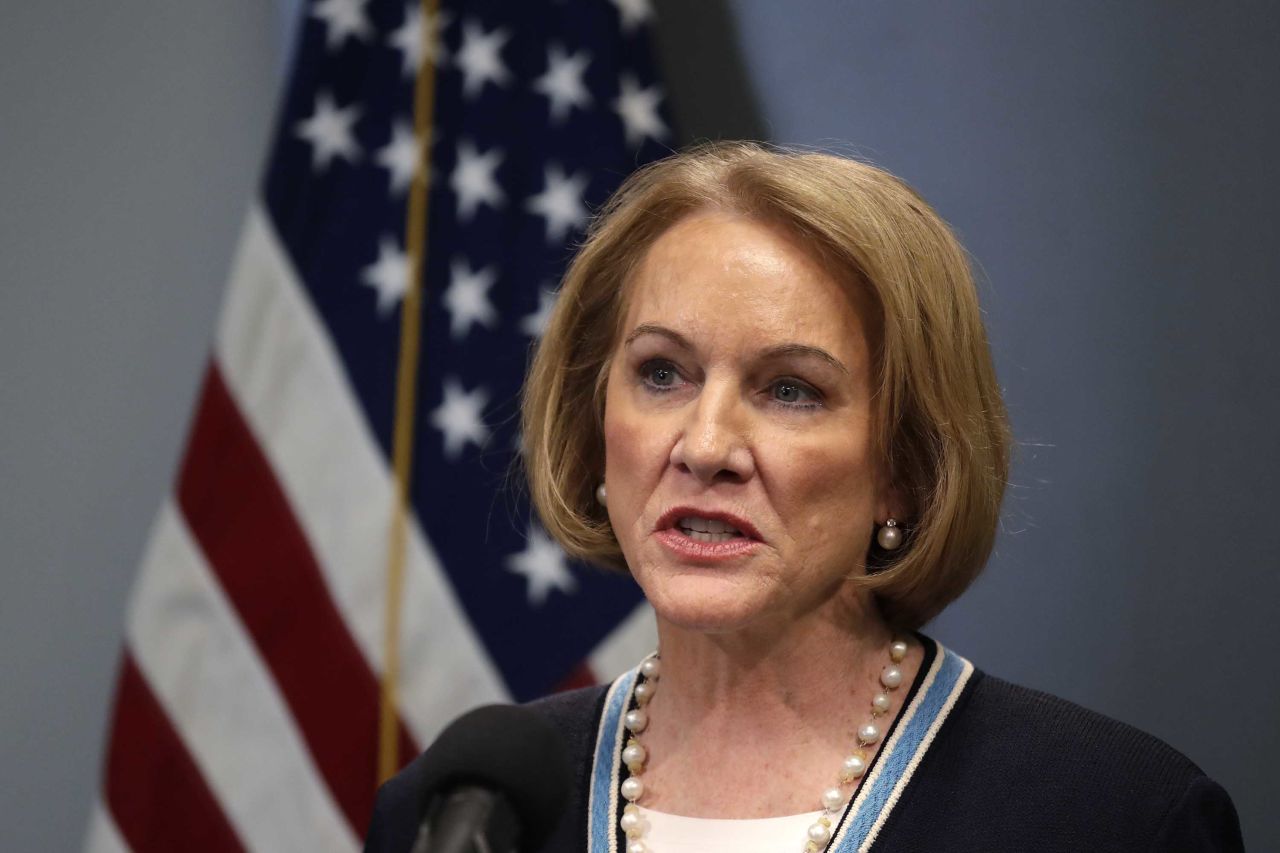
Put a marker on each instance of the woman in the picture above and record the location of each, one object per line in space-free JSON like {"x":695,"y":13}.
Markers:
{"x":766,"y":393}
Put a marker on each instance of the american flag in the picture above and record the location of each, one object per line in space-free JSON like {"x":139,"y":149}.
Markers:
{"x":247,"y":712}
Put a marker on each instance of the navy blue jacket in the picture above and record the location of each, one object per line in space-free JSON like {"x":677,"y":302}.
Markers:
{"x":1011,"y":769}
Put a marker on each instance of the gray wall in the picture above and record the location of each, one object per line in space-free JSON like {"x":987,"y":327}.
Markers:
{"x":1111,"y":168}
{"x":131,"y":134}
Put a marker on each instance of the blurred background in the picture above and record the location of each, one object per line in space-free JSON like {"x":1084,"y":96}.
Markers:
{"x":1111,"y":167}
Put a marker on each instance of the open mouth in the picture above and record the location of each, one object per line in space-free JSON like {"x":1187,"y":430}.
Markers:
{"x":704,"y":536}
{"x":708,"y":529}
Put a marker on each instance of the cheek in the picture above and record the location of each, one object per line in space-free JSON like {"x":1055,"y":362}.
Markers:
{"x":829,"y":491}
{"x":632,"y":473}
{"x":619,"y":449}
{"x":634,"y":460}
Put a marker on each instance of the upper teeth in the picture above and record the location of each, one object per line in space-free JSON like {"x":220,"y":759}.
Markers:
{"x":707,"y":525}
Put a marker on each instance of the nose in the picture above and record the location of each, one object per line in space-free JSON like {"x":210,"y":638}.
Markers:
{"x":713,"y":444}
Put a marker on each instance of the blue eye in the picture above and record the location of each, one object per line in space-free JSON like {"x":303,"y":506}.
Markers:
{"x":793,"y":393}
{"x":659,"y":374}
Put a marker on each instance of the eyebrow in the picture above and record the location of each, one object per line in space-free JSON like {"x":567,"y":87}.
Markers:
{"x":779,"y":351}
{"x":662,"y":331}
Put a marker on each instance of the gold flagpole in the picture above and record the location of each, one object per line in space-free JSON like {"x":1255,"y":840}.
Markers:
{"x":406,"y":397}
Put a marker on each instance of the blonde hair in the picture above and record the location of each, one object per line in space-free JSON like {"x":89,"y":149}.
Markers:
{"x":941,"y":423}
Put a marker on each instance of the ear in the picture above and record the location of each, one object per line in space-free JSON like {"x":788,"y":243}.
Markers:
{"x":892,"y":504}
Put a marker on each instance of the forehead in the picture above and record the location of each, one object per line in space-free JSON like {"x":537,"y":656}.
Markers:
{"x":726,"y":278}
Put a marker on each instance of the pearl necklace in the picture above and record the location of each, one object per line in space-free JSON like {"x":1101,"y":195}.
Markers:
{"x":833,"y":799}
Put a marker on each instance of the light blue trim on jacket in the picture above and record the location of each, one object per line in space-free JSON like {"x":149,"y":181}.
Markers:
{"x":603,"y":805}
{"x":901,"y":755}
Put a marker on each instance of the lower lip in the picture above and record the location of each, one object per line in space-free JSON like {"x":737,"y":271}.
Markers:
{"x":707,"y":552}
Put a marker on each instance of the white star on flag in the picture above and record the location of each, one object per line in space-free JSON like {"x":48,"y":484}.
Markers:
{"x":330,"y":131}
{"x":535,"y":324}
{"x":633,"y":13}
{"x":543,"y":565}
{"x":562,"y":83}
{"x":411,"y":38}
{"x":401,"y":156}
{"x":389,"y":275}
{"x":560,"y":203}
{"x":343,"y":19}
{"x":480,"y":58}
{"x":639,"y":111}
{"x":468,"y":298}
{"x":473,"y":179}
{"x":458,"y":417}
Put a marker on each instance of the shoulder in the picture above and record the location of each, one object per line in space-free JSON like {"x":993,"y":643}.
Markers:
{"x":1019,"y":726}
{"x":575,"y":714}
{"x":397,"y":810}
{"x":572,"y":709}
{"x":1027,"y":770}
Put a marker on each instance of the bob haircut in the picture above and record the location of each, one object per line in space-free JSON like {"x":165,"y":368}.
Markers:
{"x":941,"y":425}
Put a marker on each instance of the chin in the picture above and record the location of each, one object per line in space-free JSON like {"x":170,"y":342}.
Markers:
{"x":706,"y":605}
{"x":704,"y":623}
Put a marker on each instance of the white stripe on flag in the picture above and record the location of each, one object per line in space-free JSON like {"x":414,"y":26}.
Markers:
{"x":208,"y":677}
{"x":103,"y":835}
{"x":286,"y":376}
{"x":626,"y":645}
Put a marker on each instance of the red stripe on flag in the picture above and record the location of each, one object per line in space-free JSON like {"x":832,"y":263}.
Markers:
{"x":246,"y":528}
{"x":153,"y":788}
{"x":580,"y":676}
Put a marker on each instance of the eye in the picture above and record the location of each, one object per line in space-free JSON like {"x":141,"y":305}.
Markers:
{"x":659,"y":374}
{"x":795,"y":394}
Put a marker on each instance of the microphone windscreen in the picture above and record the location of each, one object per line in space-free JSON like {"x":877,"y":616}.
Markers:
{"x":509,"y":749}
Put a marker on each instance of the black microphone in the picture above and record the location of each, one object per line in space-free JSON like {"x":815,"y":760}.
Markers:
{"x":495,"y":781}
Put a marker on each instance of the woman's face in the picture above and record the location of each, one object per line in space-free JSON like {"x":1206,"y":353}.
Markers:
{"x":743,"y":482}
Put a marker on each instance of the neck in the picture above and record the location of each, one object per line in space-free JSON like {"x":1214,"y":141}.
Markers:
{"x":801,"y":669}
{"x":787,"y":700}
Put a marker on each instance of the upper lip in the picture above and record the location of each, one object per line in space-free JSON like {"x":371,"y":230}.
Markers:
{"x":669,"y":519}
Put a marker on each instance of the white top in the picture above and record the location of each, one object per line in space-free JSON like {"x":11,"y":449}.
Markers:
{"x":669,"y":833}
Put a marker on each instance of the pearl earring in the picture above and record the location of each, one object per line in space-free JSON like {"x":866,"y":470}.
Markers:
{"x":602,"y":495}
{"x":888,"y":537}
